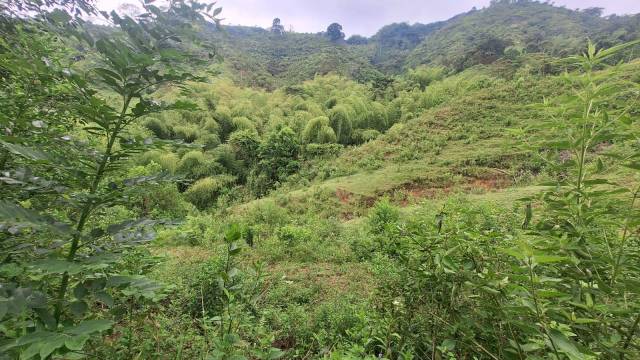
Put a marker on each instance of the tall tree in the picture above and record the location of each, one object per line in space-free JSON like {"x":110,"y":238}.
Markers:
{"x":334,"y":32}
{"x":277,"y":28}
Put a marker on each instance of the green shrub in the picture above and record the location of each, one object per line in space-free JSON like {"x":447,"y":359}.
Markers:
{"x":225,"y":156}
{"x":209,"y":141}
{"x":293,"y":235}
{"x":383,"y":216}
{"x":204,"y":192}
{"x":242,"y":123}
{"x":424,"y":75}
{"x":341,"y":118}
{"x":318,"y":131}
{"x":149,"y":156}
{"x":245,"y":145}
{"x":187,"y":132}
{"x":210,"y":125}
{"x":365,"y":135}
{"x":158,"y":128}
{"x":169,"y":162}
{"x":196,"y":165}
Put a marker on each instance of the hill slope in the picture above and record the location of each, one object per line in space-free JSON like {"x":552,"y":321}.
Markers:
{"x":258,"y":57}
{"x":482,"y":36}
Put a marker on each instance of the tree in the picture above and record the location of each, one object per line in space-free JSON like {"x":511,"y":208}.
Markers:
{"x":130,"y":10}
{"x":340,"y":118}
{"x":318,"y":131}
{"x":277,"y":28}
{"x":357,"y":40}
{"x":279,"y":158}
{"x":334,"y":32}
{"x":57,"y":189}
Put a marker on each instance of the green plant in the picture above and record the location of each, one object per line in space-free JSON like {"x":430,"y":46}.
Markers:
{"x":58,"y":267}
{"x":575,"y":248}
{"x":234,"y":296}
{"x":204,"y":192}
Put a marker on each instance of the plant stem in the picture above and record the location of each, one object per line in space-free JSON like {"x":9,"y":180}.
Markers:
{"x":89,"y":207}
{"x":625,"y":234}
{"x":632,"y":332}
{"x":538,"y":312}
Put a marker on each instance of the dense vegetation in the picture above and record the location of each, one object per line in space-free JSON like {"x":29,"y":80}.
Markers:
{"x":176,"y":189}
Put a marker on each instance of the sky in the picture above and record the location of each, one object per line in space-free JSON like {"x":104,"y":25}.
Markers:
{"x":363,"y":17}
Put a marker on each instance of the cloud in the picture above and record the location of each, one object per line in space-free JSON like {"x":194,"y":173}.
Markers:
{"x":363,"y":17}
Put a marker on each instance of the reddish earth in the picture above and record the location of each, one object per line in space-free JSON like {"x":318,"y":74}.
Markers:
{"x":343,"y":195}
{"x":489,"y":184}
{"x":409,"y":193}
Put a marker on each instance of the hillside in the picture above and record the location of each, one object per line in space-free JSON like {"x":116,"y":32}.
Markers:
{"x":277,"y":60}
{"x":508,"y":28}
{"x":485,"y":35}
{"x":175,"y":189}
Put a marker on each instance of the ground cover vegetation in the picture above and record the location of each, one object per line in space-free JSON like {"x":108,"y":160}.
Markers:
{"x":173,"y":188}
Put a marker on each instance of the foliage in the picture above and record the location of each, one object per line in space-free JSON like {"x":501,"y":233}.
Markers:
{"x":204,"y":192}
{"x":532,"y":25}
{"x":64,"y":264}
{"x":481,"y":203}
{"x":334,"y":32}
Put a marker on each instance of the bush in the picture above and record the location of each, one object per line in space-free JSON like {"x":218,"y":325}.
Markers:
{"x":158,"y":128}
{"x":424,"y":75}
{"x":383,"y":216}
{"x":243,"y":123}
{"x":209,"y":141}
{"x":195,"y":165}
{"x":210,"y":125}
{"x":293,"y":235}
{"x":189,"y":133}
{"x":318,"y":131}
{"x":341,"y":120}
{"x":204,"y":192}
{"x":365,"y":135}
{"x":169,"y":162}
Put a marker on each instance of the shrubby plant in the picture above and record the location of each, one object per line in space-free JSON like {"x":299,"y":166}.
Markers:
{"x":60,"y":261}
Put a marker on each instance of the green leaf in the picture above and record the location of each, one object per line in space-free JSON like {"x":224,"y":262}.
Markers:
{"x":448,"y":345}
{"x":567,"y":346}
{"x":13,"y":213}
{"x":30,"y":351}
{"x":76,"y":343}
{"x":50,"y":345}
{"x":55,"y":266}
{"x":78,"y":308}
{"x":105,"y":298}
{"x":24,"y":151}
{"x":4,"y":308}
{"x":80,"y":291}
{"x":545,"y":259}
{"x":606,"y":53}
{"x":89,"y":327}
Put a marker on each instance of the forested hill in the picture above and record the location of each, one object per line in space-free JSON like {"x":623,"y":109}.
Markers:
{"x":272,"y":57}
{"x":172,"y":189}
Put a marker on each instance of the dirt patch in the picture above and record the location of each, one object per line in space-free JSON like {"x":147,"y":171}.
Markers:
{"x":343,"y":195}
{"x":347,"y":216}
{"x":284,"y":343}
{"x":418,"y":191}
{"x":410,"y":193}
{"x":495,"y":183}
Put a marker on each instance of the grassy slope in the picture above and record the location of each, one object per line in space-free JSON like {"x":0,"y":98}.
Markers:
{"x":459,"y":148}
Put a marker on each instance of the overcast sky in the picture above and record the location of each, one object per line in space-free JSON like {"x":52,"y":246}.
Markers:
{"x":363,"y":17}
